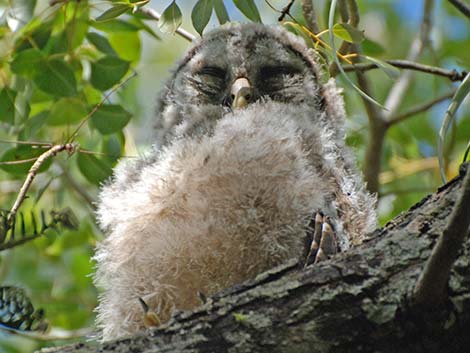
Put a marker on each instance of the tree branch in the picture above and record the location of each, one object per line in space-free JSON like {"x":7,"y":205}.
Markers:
{"x":14,"y":243}
{"x":285,"y":10}
{"x":32,"y":174}
{"x":354,"y":301}
{"x":98,"y":106}
{"x":463,"y":8}
{"x":453,"y":75}
{"x":310,"y":16}
{"x":431,"y":288}
{"x":378,"y":120}
{"x":418,"y":109}
{"x":377,"y":131}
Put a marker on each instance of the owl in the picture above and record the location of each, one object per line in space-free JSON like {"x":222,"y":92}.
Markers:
{"x":249,"y":162}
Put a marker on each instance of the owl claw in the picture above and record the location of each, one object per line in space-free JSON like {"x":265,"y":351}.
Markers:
{"x":202,"y":297}
{"x":322,"y":243}
{"x":150,"y":317}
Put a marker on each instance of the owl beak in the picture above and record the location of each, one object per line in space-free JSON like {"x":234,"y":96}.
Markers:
{"x":241,"y":93}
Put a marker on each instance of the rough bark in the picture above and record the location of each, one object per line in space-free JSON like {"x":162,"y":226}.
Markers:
{"x":359,"y":301}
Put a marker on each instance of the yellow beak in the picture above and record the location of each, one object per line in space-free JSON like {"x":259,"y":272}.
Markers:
{"x":241,"y":93}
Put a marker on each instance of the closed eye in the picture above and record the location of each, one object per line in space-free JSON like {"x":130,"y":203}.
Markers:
{"x":212,"y":71}
{"x":268,"y":72}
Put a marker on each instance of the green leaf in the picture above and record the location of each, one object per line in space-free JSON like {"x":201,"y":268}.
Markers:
{"x":22,"y":106}
{"x":36,"y":32}
{"x":201,"y":15}
{"x":93,"y":169}
{"x":115,"y":25}
{"x":143,"y":26}
{"x":92,"y":95}
{"x":171,"y":19}
{"x":126,"y":44}
{"x":221,"y":11}
{"x":107,"y":71}
{"x":57,"y":44}
{"x":372,"y":48}
{"x":78,"y":23}
{"x":113,"y":147}
{"x":77,"y":33}
{"x":249,"y":9}
{"x":33,"y":125}
{"x":56,"y":77}
{"x":22,"y":153}
{"x":110,"y":118}
{"x":113,"y":12}
{"x":67,"y":111}
{"x":348,"y":33}
{"x":101,"y":43}
{"x":390,"y":70}
{"x":7,"y":105}
{"x":26,"y":62}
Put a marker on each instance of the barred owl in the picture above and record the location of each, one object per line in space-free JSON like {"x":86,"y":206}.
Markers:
{"x":251,"y":145}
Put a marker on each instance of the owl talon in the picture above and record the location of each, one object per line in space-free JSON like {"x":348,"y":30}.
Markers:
{"x":202,"y":297}
{"x":150,"y":318}
{"x":323,"y":241}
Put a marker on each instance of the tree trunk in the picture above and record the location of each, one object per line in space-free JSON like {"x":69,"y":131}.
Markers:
{"x":359,"y":301}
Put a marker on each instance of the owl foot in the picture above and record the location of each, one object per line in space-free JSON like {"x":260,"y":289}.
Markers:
{"x":150,"y":317}
{"x":322,"y":243}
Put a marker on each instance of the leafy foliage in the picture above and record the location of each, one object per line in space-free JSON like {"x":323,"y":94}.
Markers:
{"x":201,"y":15}
{"x":171,"y":18}
{"x":9,"y":226}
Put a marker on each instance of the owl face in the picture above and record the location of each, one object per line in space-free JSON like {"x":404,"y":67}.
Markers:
{"x":233,"y":66}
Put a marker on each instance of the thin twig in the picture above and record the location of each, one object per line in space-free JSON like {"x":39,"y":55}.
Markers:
{"x":286,"y":10}
{"x":418,"y":109}
{"x":98,"y":106}
{"x":95,"y":153}
{"x":310,"y":16}
{"x":14,"y":243}
{"x":29,"y":143}
{"x":453,"y":75}
{"x":155,"y":15}
{"x":19,"y":161}
{"x":431,"y":289}
{"x":463,"y":8}
{"x":32,"y":174}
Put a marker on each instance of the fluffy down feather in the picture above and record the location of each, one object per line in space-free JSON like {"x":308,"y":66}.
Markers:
{"x":212,"y":212}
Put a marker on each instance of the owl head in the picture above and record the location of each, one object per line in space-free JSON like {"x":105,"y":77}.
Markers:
{"x":234,"y":66}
